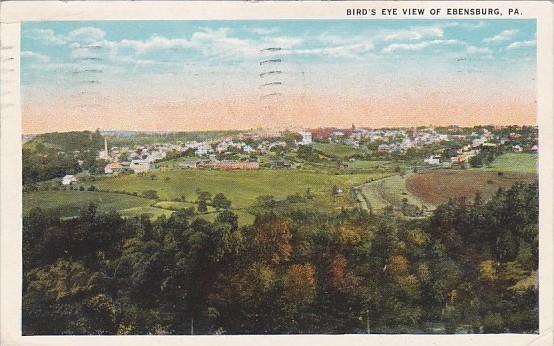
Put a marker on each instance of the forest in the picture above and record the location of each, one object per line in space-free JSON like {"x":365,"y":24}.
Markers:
{"x":471,"y":267}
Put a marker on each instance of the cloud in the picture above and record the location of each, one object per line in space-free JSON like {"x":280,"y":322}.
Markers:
{"x":153,"y":43}
{"x":85,"y":35}
{"x":354,"y":50}
{"x":478,"y":50}
{"x":521,"y":44}
{"x":264,"y":31}
{"x":46,"y":36}
{"x":415,"y":33}
{"x":473,"y":26}
{"x":502,"y":36}
{"x":285,"y":42}
{"x":35,"y":56}
{"x":418,"y":46}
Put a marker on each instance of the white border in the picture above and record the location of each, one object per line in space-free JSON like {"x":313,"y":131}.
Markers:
{"x":12,"y":13}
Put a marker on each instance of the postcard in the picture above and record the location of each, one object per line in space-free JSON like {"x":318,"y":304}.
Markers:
{"x":277,"y":172}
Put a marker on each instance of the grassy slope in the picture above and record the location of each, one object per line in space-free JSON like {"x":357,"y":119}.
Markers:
{"x":241,"y":187}
{"x":389,"y":191}
{"x":335,"y":149}
{"x":436,"y":187}
{"x":514,"y":162}
{"x":70,"y":202}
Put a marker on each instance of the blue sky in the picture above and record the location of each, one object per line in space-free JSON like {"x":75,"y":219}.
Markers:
{"x":323,"y":57}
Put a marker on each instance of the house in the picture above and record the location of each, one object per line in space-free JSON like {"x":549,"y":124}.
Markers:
{"x":517,"y":148}
{"x":458,"y":159}
{"x":247,"y":149}
{"x":203,"y":149}
{"x":433,"y":160}
{"x":306,"y":137}
{"x":113,"y":168}
{"x":139,"y":166}
{"x":69,"y":179}
{"x":535,"y":148}
{"x":383,"y":148}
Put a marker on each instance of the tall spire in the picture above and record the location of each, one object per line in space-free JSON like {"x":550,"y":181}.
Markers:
{"x":106,"y":147}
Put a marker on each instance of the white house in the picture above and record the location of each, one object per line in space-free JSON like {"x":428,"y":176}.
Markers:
{"x":433,"y":160}
{"x":69,"y":179}
{"x":306,"y":137}
{"x":139,"y":166}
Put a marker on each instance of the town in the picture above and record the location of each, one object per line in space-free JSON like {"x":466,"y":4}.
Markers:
{"x":451,"y":147}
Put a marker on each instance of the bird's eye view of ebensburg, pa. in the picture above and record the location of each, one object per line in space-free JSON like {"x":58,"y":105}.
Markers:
{"x":204,"y":177}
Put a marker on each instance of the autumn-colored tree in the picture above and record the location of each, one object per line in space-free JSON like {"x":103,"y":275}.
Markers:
{"x":273,"y":239}
{"x":300,"y":283}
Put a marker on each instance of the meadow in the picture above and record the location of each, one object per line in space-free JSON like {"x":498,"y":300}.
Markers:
{"x":337,"y":150}
{"x":69,"y":203}
{"x":241,"y":187}
{"x":390,"y":191}
{"x":514,"y":162}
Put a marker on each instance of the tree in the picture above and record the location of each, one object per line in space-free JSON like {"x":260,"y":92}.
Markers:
{"x":273,"y":237}
{"x":150,"y":194}
{"x":202,"y":206}
{"x":221,"y":202}
{"x":204,"y":196}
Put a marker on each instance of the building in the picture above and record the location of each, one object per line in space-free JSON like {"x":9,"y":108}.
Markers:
{"x":69,"y":179}
{"x":433,"y":160}
{"x":306,"y":137}
{"x":228,"y":165}
{"x":321,"y":133}
{"x":113,"y":168}
{"x":280,"y":164}
{"x":139,"y":166}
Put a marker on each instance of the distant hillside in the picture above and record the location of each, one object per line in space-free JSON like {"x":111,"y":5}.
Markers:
{"x":66,"y":141}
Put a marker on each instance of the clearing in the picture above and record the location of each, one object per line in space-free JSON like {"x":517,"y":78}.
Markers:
{"x":437,"y":186}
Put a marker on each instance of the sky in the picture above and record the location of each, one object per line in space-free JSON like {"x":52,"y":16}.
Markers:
{"x":207,"y":75}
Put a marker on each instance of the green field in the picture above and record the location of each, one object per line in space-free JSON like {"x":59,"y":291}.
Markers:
{"x":389,"y":191}
{"x":174,"y":205}
{"x":340,"y":151}
{"x":241,"y":187}
{"x":514,"y":162}
{"x":153,"y":212}
{"x":360,"y":164}
{"x":69,"y":203}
